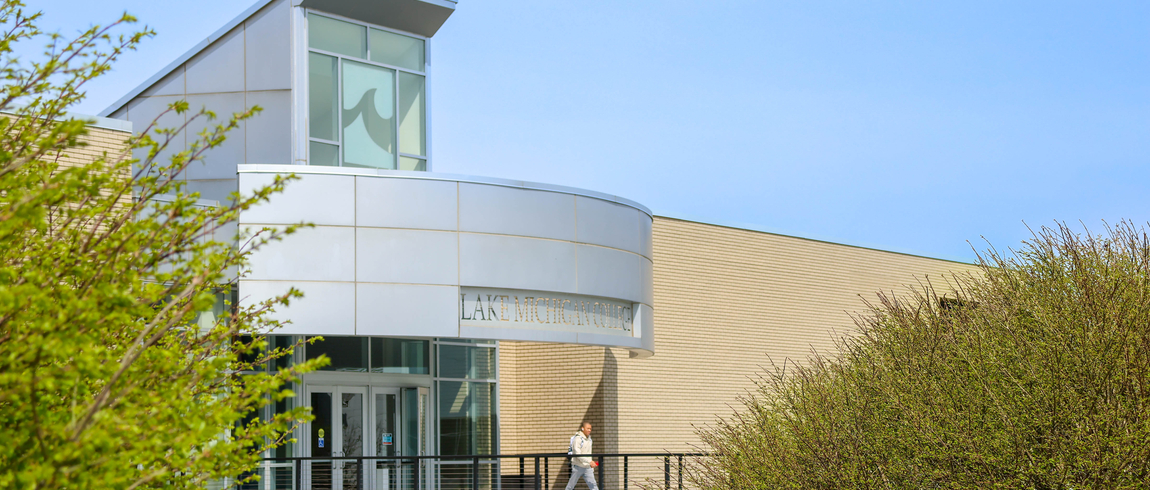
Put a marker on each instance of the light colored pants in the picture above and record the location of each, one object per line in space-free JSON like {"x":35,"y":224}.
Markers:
{"x":588,"y":475}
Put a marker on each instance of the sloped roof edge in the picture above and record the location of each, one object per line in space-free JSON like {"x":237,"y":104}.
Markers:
{"x":808,"y":237}
{"x":185,"y":57}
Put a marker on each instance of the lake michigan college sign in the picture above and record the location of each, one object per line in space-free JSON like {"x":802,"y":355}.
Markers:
{"x":539,"y":310}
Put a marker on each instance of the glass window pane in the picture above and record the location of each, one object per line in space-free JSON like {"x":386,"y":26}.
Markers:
{"x":385,"y":441}
{"x":321,"y":437}
{"x":285,"y":343}
{"x":283,"y":406}
{"x":323,"y":154}
{"x":408,"y":163}
{"x":252,"y":356}
{"x":321,"y":89}
{"x":346,"y":353}
{"x":207,"y":319}
{"x":399,"y":356}
{"x":412,"y":137}
{"x":396,"y":49}
{"x":411,"y":421}
{"x":336,"y":36}
{"x":368,"y":116}
{"x":351,"y":435}
{"x":321,"y":434}
{"x":466,"y":418}
{"x":351,"y":424}
{"x":458,"y":361}
{"x":424,"y":409}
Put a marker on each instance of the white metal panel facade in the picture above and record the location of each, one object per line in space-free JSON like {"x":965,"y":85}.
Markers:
{"x":401,"y":247}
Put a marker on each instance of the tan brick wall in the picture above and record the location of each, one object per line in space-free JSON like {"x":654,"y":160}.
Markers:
{"x":96,"y":143}
{"x":728,"y":302}
{"x":109,"y":144}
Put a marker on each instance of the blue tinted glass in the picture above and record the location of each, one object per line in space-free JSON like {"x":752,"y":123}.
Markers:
{"x":336,"y":36}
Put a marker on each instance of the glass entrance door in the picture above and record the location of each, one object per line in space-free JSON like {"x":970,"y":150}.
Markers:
{"x":386,"y":474}
{"x":416,"y":434}
{"x":352,"y":421}
{"x":339,"y":430}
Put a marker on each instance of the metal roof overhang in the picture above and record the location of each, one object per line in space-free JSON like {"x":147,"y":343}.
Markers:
{"x":423,"y":17}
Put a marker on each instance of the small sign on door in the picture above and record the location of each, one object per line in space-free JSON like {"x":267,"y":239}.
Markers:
{"x":385,"y":439}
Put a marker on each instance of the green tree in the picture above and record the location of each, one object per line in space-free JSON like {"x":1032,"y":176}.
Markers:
{"x":109,"y":375}
{"x":1034,"y":375}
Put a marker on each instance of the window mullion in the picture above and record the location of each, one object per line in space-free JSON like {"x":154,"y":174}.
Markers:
{"x":395,"y":125}
{"x":339,"y":106}
{"x":368,"y":62}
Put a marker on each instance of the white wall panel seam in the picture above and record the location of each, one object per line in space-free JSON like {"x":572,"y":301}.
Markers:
{"x":244,"y":48}
{"x":258,"y":223}
{"x":553,"y":240}
{"x":575,"y":211}
{"x":458,"y":247}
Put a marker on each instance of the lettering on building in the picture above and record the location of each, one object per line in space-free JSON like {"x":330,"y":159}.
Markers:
{"x":541,"y":310}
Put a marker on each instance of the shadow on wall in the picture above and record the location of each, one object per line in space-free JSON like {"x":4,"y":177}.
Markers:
{"x":551,"y":389}
{"x":603,"y":413}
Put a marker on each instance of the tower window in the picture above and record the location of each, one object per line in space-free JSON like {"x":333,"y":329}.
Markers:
{"x":366,"y":96}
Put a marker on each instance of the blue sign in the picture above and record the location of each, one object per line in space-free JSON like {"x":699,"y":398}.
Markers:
{"x":385,"y":439}
{"x":321,"y":442}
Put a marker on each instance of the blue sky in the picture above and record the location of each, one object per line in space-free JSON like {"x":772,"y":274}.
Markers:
{"x":908,"y":126}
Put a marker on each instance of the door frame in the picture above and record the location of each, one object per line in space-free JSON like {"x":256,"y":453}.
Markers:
{"x":328,"y":381}
{"x":337,"y":411}
{"x":397,"y":426}
{"x":337,"y":392}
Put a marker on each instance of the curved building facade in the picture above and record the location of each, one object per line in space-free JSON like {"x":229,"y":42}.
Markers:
{"x":420,"y":254}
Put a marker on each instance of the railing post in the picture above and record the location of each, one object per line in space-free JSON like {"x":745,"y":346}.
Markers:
{"x":624,"y":473}
{"x":680,"y":472}
{"x":359,"y":474}
{"x":298,"y":474}
{"x":521,"y":466}
{"x":600,"y":472}
{"x":546,"y":471}
{"x":538,"y":476}
{"x":475,"y":473}
{"x":416,"y":470}
{"x":667,"y":472}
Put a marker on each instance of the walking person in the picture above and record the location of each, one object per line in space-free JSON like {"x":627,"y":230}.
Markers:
{"x":582,"y":466}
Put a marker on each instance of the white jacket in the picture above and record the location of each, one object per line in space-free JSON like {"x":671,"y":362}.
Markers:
{"x":580,"y":444}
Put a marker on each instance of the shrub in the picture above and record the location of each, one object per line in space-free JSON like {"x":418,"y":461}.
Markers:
{"x":1034,"y":374}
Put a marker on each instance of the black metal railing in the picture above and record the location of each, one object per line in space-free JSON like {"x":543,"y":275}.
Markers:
{"x":537,"y":471}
